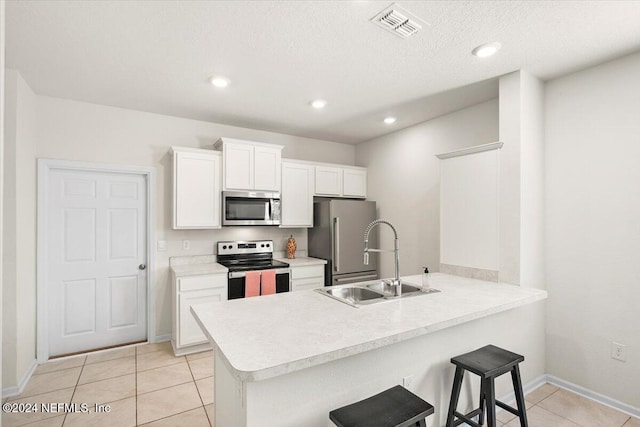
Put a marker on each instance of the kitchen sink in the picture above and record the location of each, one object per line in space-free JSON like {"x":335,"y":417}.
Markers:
{"x":352,"y":295}
{"x":371,"y":293}
{"x":386,"y":287}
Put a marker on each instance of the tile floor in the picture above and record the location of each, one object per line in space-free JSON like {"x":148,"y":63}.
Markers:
{"x":147,"y":385}
{"x":144,"y":385}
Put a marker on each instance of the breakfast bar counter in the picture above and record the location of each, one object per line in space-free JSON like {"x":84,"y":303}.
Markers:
{"x":275,"y":351}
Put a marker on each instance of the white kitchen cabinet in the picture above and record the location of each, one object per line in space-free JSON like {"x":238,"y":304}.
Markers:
{"x":354,"y":182}
{"x":336,"y":181}
{"x":197,"y":175}
{"x":307,"y":277}
{"x":328,"y":181}
{"x":187,"y":337}
{"x":250,"y":166}
{"x":297,"y":194}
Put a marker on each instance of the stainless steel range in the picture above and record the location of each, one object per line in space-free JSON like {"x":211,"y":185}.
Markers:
{"x":241,"y":257}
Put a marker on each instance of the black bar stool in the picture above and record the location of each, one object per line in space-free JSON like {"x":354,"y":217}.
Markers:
{"x":488,"y":362}
{"x":395,"y":407}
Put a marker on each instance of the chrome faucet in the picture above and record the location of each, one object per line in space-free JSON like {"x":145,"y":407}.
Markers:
{"x":396,"y":285}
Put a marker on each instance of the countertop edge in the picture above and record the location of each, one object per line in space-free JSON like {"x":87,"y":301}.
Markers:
{"x":297,"y":365}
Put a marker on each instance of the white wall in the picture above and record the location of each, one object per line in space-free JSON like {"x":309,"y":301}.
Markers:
{"x":19,"y":223}
{"x":2,"y":100}
{"x":593,"y":227}
{"x":74,"y":130}
{"x":404,"y":179}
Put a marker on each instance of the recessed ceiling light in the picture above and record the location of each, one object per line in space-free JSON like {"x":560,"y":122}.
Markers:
{"x":390,"y":120}
{"x":487,"y":49}
{"x":319,"y":103}
{"x":219,"y":81}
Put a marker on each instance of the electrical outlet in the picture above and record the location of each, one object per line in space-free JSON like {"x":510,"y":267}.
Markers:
{"x":619,"y":351}
{"x":186,"y":245}
{"x":407,"y":381}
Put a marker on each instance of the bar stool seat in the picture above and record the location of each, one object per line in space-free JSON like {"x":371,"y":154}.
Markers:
{"x":488,"y":362}
{"x":395,"y":407}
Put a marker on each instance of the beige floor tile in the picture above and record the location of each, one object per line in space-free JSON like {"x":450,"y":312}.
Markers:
{"x":16,"y":419}
{"x":193,"y":418}
{"x":201,"y":368}
{"x":148,"y":348}
{"x":541,"y":393}
{"x":538,"y":417}
{"x":166,"y":402}
{"x":166,"y":376}
{"x":504,"y":416}
{"x":110,"y":369}
{"x":582,"y":411}
{"x":632,"y":422}
{"x":49,"y":422}
{"x":200,"y":355}
{"x":111,"y":355}
{"x":57,"y":365}
{"x":105,"y":391}
{"x":157,"y":359}
{"x":205,"y":388}
{"x":51,"y":381}
{"x":211,"y":414}
{"x":122,"y":413}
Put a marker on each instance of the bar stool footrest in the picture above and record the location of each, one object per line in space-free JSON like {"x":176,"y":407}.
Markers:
{"x":506,"y":407}
{"x":462,"y":418}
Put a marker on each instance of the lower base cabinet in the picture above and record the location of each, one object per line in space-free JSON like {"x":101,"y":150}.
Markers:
{"x":187,"y":337}
{"x":307,"y":277}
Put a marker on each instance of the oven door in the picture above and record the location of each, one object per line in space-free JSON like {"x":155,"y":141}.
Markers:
{"x":236,"y":282}
{"x":250,"y":208}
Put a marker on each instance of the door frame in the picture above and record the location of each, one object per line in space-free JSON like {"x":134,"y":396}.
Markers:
{"x":45,"y":167}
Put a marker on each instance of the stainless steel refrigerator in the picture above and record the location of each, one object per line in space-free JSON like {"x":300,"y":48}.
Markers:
{"x":338,"y":236}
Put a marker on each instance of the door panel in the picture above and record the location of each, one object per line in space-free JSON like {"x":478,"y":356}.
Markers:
{"x":96,"y":241}
{"x":349,"y":221}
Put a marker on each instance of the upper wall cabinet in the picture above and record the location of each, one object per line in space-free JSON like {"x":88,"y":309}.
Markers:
{"x":250,"y":165}
{"x":335,"y":181}
{"x":297,"y":194}
{"x":196,"y":188}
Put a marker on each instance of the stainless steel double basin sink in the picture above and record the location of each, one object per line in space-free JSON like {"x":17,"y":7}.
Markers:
{"x":370,"y":293}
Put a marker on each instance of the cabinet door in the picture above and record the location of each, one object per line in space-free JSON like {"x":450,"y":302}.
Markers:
{"x":354,"y":183}
{"x":189,"y":332}
{"x":267,"y":168}
{"x":297,"y":195}
{"x":238,"y":166}
{"x":196,"y":186}
{"x":328,"y":181}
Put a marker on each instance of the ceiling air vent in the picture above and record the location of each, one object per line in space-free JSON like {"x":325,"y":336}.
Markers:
{"x":398,"y":21}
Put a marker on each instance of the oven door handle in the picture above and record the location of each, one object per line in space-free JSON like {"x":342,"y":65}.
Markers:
{"x":236,"y":274}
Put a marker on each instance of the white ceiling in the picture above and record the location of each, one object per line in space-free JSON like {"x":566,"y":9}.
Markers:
{"x":156,"y":56}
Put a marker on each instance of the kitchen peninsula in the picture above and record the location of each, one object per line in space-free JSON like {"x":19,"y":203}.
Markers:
{"x":288,"y":359}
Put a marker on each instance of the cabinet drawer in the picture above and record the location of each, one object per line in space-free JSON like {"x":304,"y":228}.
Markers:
{"x":195,"y":283}
{"x":307,"y":271}
{"x":304,"y":284}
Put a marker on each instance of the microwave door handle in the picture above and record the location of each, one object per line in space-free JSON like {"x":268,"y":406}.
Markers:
{"x":270,"y":210}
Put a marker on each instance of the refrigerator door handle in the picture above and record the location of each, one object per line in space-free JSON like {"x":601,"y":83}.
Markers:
{"x":336,"y":243}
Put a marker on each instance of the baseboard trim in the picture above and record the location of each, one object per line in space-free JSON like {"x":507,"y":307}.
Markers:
{"x":535,"y":383}
{"x":161,"y":338}
{"x":17,"y":389}
{"x":592,"y":395}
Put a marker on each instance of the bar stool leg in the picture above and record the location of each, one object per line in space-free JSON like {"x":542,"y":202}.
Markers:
{"x":481,"y":414}
{"x":455,"y":394}
{"x":490,"y":399}
{"x":421,"y":423}
{"x":517,"y":388}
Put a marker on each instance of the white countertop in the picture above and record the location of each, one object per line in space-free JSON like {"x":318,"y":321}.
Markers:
{"x":197,"y":269}
{"x":303,"y":261}
{"x":313,"y":329}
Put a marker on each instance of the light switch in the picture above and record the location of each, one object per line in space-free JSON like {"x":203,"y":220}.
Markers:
{"x":186,"y":245}
{"x":162,"y":245}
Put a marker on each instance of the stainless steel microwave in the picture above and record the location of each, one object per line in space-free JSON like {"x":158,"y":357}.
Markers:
{"x":250,"y":208}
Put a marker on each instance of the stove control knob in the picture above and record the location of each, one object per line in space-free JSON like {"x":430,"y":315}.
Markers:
{"x":268,"y":245}
{"x":230,"y":246}
{"x":224,"y":247}
{"x":262,"y":245}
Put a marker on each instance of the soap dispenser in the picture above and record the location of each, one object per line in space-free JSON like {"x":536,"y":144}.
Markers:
{"x":425,"y":278}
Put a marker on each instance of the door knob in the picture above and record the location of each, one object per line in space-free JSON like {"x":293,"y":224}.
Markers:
{"x":142,"y":267}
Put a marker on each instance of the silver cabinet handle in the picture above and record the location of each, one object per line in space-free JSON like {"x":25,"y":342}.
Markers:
{"x":142,"y":267}
{"x":336,"y":242}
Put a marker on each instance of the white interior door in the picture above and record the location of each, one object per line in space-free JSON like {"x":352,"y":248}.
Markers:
{"x":96,"y":260}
